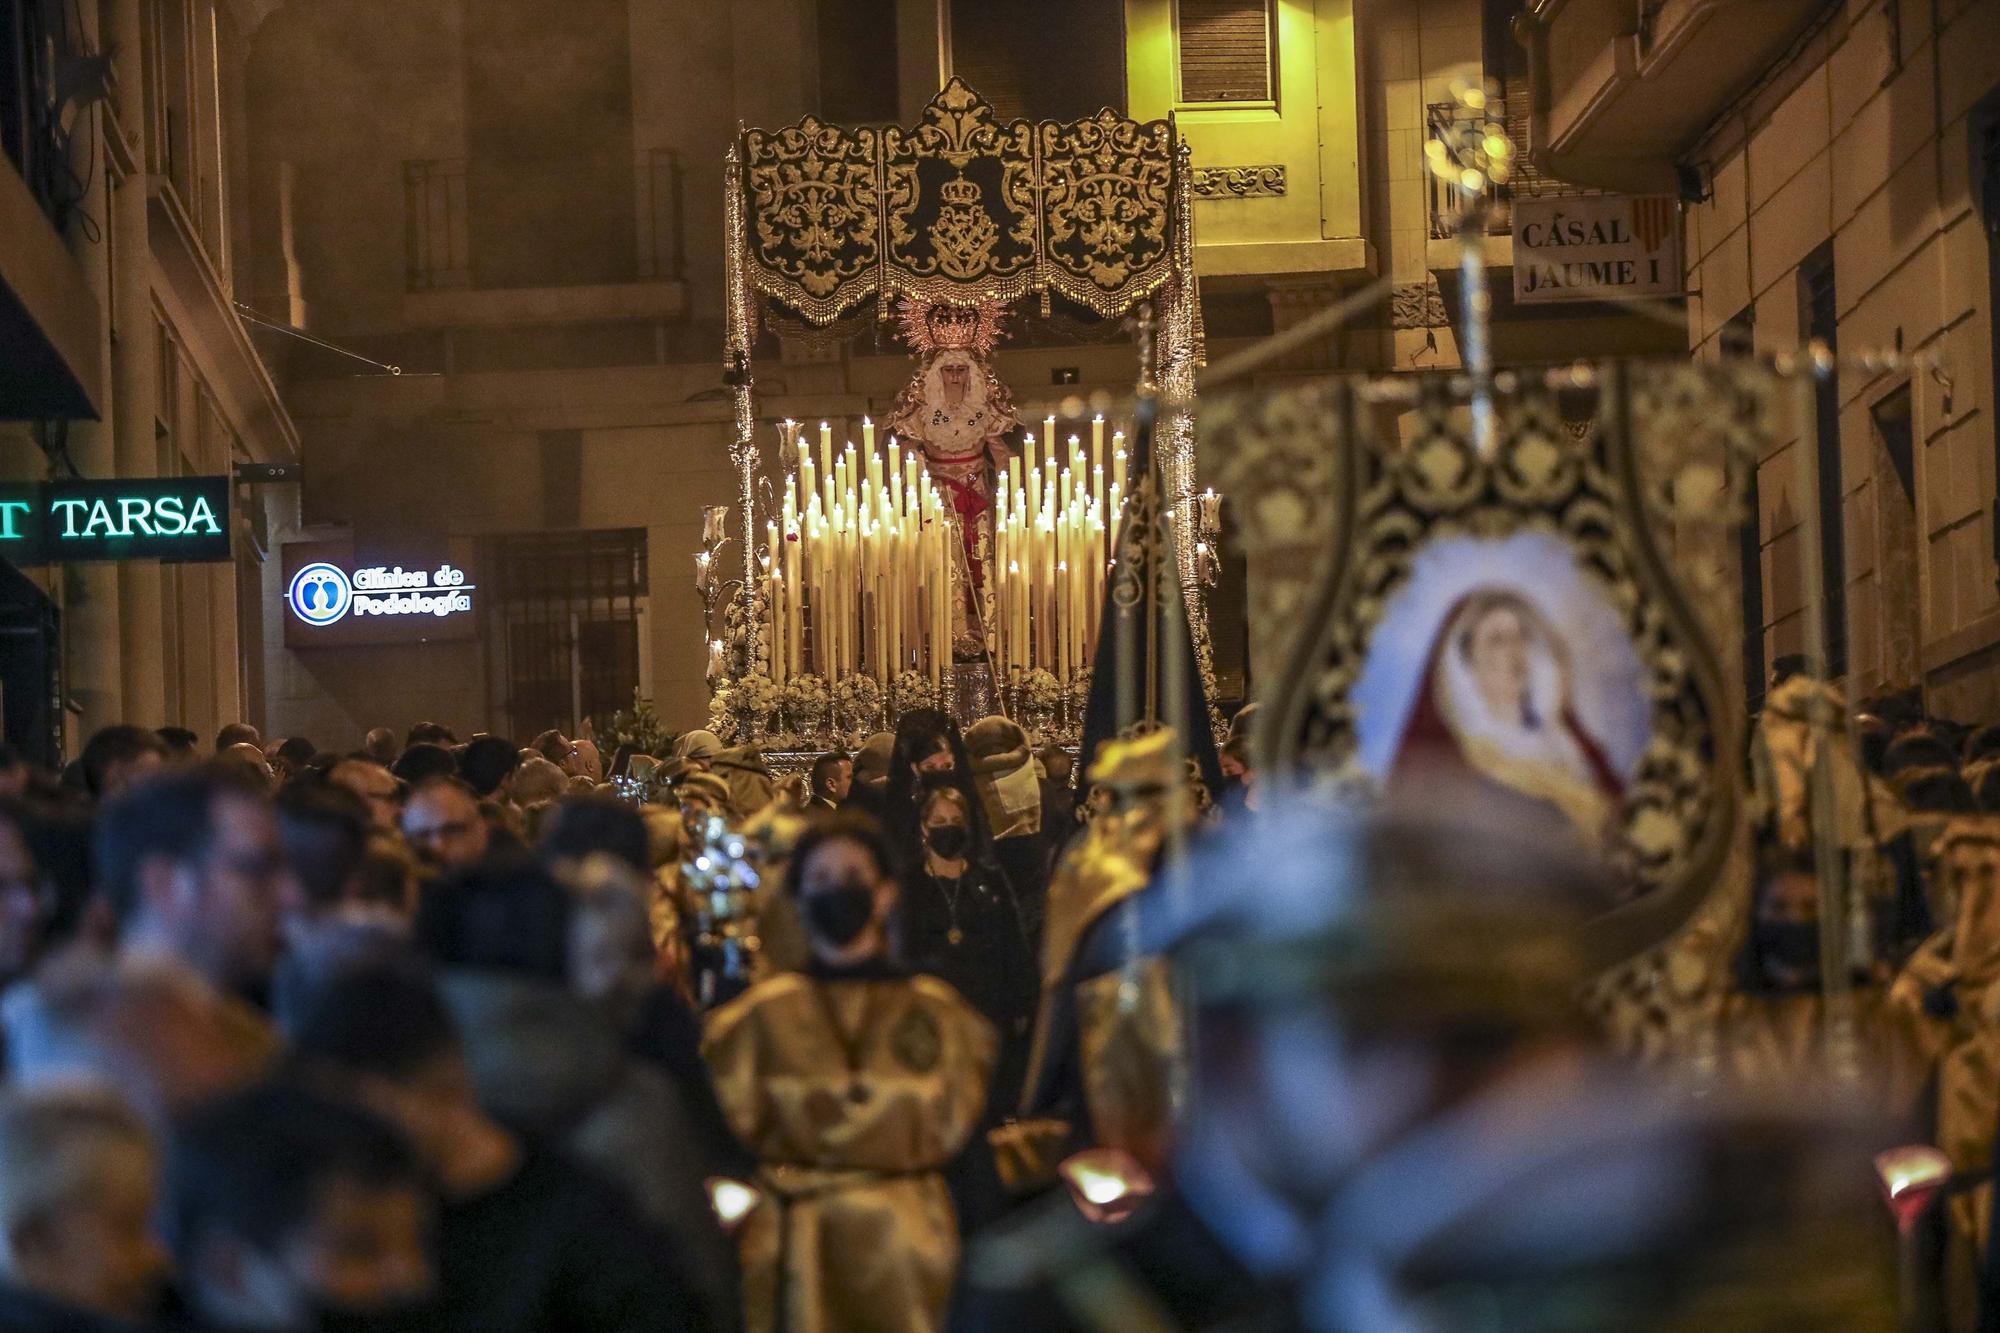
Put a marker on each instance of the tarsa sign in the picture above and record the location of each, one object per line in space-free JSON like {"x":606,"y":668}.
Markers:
{"x":1591,"y":248}
{"x":178,"y":518}
{"x":333,"y":600}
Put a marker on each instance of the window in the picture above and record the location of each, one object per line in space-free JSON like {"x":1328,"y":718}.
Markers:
{"x":1985,"y":124}
{"x":571,"y":609}
{"x":1042,"y":59}
{"x":1898,"y":545}
{"x":1818,"y":317}
{"x":551,"y":177}
{"x":1225,"y":50}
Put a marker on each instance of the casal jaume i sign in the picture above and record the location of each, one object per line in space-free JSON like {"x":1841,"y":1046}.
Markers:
{"x":1594,"y":247}
{"x":176,"y":518}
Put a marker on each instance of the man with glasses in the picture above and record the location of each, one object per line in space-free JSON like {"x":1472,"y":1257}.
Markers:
{"x":190,"y":862}
{"x":443,"y":823}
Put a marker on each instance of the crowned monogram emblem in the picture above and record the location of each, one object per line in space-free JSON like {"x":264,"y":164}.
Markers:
{"x":964,"y":232}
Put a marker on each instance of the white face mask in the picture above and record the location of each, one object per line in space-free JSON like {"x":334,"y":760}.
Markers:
{"x":1013,"y":802}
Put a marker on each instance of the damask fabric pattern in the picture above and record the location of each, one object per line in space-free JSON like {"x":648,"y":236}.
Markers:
{"x":961,"y":207}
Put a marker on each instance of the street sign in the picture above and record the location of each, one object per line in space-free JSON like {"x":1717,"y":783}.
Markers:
{"x":1595,"y":247}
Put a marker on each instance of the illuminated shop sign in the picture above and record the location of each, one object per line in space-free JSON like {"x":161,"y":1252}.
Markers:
{"x":333,"y":599}
{"x":177,"y":518}
{"x":321,"y":593}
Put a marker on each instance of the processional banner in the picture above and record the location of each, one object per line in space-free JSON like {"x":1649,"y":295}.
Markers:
{"x":1517,"y":613}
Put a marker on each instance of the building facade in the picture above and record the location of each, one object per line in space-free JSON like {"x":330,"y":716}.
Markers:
{"x":1840,"y":165}
{"x":122,"y":235}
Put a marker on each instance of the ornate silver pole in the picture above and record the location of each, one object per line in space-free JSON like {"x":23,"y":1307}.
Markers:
{"x":741,"y":318}
{"x":1472,"y":156}
{"x":1178,"y":356}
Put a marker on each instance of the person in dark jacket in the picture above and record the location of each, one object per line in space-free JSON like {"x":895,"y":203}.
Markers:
{"x":549,"y":1063}
{"x":527,"y":1241}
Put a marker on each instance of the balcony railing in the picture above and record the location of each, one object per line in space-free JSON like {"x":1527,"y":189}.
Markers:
{"x":1446,"y":120}
{"x":437,"y":231}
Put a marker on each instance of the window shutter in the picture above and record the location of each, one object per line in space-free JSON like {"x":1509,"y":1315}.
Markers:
{"x":1225,"y":50}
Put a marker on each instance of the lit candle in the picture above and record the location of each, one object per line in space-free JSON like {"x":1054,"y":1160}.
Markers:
{"x":867,"y":436}
{"x":1097,"y":497}
{"x":826,"y":448}
{"x":1034,"y":478}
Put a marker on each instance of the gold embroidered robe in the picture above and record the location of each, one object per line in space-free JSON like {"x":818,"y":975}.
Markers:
{"x":855,"y":1228}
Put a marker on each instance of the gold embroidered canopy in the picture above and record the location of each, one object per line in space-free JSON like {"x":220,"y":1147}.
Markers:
{"x":960,"y":208}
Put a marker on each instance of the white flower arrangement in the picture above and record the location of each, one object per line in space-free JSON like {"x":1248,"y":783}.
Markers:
{"x":857,"y":701}
{"x":913,"y":689}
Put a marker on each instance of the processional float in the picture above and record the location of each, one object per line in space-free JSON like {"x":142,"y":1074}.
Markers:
{"x":959,"y":554}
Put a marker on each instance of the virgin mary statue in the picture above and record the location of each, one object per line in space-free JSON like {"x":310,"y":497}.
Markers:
{"x":1494,"y":713}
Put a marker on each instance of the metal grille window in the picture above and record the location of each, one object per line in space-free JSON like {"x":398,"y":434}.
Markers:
{"x":570,"y":614}
{"x":1225,"y":50}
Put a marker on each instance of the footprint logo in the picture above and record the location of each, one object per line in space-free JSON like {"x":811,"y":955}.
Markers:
{"x":320,"y":594}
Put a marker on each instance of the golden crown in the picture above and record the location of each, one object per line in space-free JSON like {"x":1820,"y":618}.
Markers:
{"x":959,"y":191}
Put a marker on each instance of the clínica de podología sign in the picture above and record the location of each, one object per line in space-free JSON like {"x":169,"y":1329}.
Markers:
{"x":1595,"y":247}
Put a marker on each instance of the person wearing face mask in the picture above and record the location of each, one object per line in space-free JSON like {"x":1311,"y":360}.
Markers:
{"x":959,"y":921}
{"x":854,"y":1082}
{"x":929,"y":750}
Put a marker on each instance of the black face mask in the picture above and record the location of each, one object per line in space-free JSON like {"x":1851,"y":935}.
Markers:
{"x":839,"y":915}
{"x":1791,"y":945}
{"x":949,"y":840}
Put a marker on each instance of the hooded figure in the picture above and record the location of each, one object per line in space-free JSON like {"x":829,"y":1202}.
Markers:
{"x":1027,"y":812}
{"x":1949,"y":993}
{"x":868,"y":793}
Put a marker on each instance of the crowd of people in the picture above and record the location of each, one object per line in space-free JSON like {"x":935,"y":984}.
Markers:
{"x":431,"y":1034}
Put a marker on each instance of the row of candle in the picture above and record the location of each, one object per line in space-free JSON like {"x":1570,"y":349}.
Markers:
{"x":872,"y":546}
{"x":1053,"y":534}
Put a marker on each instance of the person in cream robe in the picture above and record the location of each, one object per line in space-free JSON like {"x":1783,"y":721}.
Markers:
{"x":854,"y":1083}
